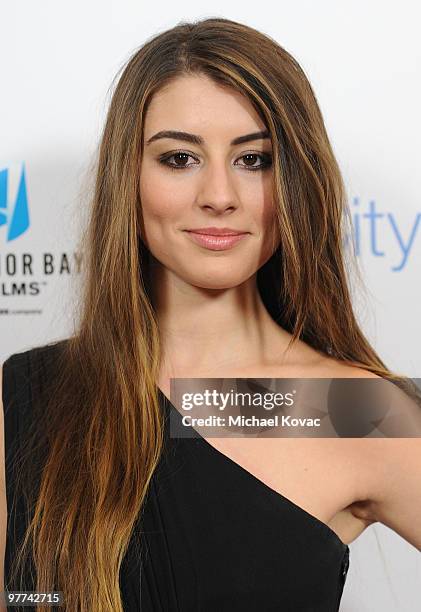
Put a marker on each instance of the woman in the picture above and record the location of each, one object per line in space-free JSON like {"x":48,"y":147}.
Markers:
{"x":212,"y":125}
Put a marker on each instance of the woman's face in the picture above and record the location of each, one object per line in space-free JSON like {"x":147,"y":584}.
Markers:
{"x":208,"y":180}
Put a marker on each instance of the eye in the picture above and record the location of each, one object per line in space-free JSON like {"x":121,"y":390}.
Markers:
{"x":181,"y":158}
{"x":251,"y":157}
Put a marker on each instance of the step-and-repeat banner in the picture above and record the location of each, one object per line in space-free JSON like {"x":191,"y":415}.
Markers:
{"x":364,"y":62}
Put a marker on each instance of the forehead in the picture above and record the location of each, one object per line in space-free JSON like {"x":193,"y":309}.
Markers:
{"x":197,"y":104}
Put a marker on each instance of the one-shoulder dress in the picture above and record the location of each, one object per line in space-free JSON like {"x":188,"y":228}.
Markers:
{"x":213,"y":537}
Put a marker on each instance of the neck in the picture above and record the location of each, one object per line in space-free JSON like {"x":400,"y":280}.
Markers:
{"x":204,"y":331}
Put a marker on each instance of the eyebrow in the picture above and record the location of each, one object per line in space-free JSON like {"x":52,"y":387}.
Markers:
{"x":194,"y":139}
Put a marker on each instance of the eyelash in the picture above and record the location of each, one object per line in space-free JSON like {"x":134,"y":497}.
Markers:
{"x":267,"y":161}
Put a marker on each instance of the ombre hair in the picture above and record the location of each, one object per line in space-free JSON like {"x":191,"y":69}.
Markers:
{"x":101,"y":419}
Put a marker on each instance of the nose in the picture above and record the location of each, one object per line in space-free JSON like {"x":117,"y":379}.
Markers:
{"x":217,"y":190}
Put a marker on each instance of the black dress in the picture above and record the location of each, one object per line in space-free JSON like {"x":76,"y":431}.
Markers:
{"x":214,"y":538}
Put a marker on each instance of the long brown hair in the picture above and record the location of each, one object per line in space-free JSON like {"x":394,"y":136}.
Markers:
{"x":101,"y":421}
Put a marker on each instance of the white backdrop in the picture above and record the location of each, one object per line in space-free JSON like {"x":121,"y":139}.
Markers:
{"x":364,"y":62}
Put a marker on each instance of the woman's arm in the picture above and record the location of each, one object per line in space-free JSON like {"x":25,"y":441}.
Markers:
{"x":395,"y":490}
{"x":392,"y":468}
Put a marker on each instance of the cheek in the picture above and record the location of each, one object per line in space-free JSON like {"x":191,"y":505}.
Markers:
{"x":161,"y":212}
{"x":269,"y":224}
{"x":160,"y":203}
{"x":257,"y":196}
{"x":265,"y":213}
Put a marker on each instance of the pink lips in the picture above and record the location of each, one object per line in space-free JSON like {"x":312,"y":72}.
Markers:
{"x":216,"y":242}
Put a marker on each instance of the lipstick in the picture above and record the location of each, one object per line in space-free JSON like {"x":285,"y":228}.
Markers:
{"x":216,"y":243}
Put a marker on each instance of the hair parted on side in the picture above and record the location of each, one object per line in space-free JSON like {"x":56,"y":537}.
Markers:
{"x":101,"y":422}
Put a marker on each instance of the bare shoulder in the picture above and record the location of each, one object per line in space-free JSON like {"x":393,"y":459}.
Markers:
{"x":403,"y":405}
{"x":3,"y":503}
{"x":334,"y":368}
{"x":308,"y":361}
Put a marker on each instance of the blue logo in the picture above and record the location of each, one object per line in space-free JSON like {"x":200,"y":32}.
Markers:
{"x":15,"y":215}
{"x":379,"y":234}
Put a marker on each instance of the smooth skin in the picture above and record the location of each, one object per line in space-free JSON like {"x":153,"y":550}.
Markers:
{"x":214,"y":324}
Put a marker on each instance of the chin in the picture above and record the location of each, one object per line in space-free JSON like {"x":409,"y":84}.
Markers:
{"x":217,"y":283}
